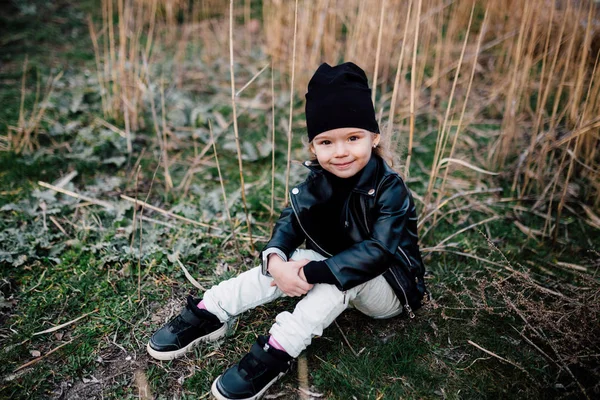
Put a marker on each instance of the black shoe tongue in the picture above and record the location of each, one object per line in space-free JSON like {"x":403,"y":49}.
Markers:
{"x":201,"y":314}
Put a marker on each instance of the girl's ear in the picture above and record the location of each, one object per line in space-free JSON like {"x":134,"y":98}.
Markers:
{"x":311,"y":148}
{"x":376,"y":139}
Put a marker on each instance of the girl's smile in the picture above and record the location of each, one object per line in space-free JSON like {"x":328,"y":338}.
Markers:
{"x":344,"y":151}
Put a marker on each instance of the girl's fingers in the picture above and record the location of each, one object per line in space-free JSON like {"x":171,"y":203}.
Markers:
{"x":304,"y":285}
{"x":296,"y":289}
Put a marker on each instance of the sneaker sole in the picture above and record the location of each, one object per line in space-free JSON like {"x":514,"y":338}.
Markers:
{"x":219,"y":396}
{"x":171,"y":355}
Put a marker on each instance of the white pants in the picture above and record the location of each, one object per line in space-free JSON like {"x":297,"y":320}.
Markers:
{"x":313,"y":313}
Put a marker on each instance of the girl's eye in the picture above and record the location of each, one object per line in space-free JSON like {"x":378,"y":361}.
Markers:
{"x":325,"y":142}
{"x":353,"y":138}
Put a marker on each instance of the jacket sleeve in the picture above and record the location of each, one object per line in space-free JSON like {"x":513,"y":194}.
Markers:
{"x":287,"y":233}
{"x":365,"y":260}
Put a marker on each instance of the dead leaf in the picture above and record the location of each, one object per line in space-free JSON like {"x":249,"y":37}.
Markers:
{"x":35,"y":353}
{"x":221,"y":268}
{"x":92,"y":379}
{"x":141,"y":382}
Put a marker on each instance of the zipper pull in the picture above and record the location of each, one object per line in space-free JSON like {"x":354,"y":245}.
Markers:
{"x":344,"y":301}
{"x":409,"y":310}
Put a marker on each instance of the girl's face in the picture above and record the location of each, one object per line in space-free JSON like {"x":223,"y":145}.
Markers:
{"x":344,"y":151}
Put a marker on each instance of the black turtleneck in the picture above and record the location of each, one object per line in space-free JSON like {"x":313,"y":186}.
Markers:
{"x":332,"y":226}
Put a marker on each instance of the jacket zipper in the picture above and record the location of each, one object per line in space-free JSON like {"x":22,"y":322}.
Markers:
{"x":304,"y":230}
{"x":308,"y":236}
{"x":406,"y":306}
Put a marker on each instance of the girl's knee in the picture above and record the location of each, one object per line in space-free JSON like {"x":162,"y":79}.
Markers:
{"x":326,"y":293}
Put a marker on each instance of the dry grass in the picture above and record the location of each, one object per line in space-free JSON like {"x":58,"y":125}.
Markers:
{"x":23,"y":138}
{"x":526,"y":75}
{"x":490,"y":88}
{"x":529,"y":68}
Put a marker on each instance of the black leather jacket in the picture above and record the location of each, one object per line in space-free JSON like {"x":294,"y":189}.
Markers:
{"x":381,"y":221}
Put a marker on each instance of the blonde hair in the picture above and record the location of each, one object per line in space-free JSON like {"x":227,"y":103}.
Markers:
{"x":394,"y":148}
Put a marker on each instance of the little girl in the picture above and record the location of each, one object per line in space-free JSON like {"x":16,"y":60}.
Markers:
{"x":358,"y":220}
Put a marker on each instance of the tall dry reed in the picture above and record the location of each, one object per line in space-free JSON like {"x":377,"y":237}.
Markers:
{"x":533,"y":78}
{"x":523,"y":93}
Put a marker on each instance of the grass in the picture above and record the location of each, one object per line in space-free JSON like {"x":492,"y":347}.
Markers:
{"x":524,"y":299}
{"x":420,"y":358}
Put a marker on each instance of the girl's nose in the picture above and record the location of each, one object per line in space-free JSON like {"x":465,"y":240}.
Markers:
{"x":341,"y":150}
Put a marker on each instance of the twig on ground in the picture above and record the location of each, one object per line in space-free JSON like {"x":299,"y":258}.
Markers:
{"x":432,"y":249}
{"x":36,"y":360}
{"x":156,"y":221}
{"x":474,"y":361}
{"x":536,"y":347}
{"x":111,"y":127}
{"x":190,"y":277}
{"x":39,"y":282}
{"x":498,"y":357}
{"x":102,"y":203}
{"x":65,"y":179}
{"x":571,"y":266}
{"x":485,"y":221}
{"x":55,"y":328}
{"x":169,"y":213}
{"x":59,"y":226}
{"x":346,"y":340}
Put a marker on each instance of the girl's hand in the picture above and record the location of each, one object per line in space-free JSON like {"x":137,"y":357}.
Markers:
{"x":286,"y":276}
{"x":301,"y":274}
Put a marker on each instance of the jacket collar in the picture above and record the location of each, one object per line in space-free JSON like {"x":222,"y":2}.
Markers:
{"x":367,"y":183}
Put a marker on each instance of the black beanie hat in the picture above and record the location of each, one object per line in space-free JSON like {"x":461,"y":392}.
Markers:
{"x":339,"y":97}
